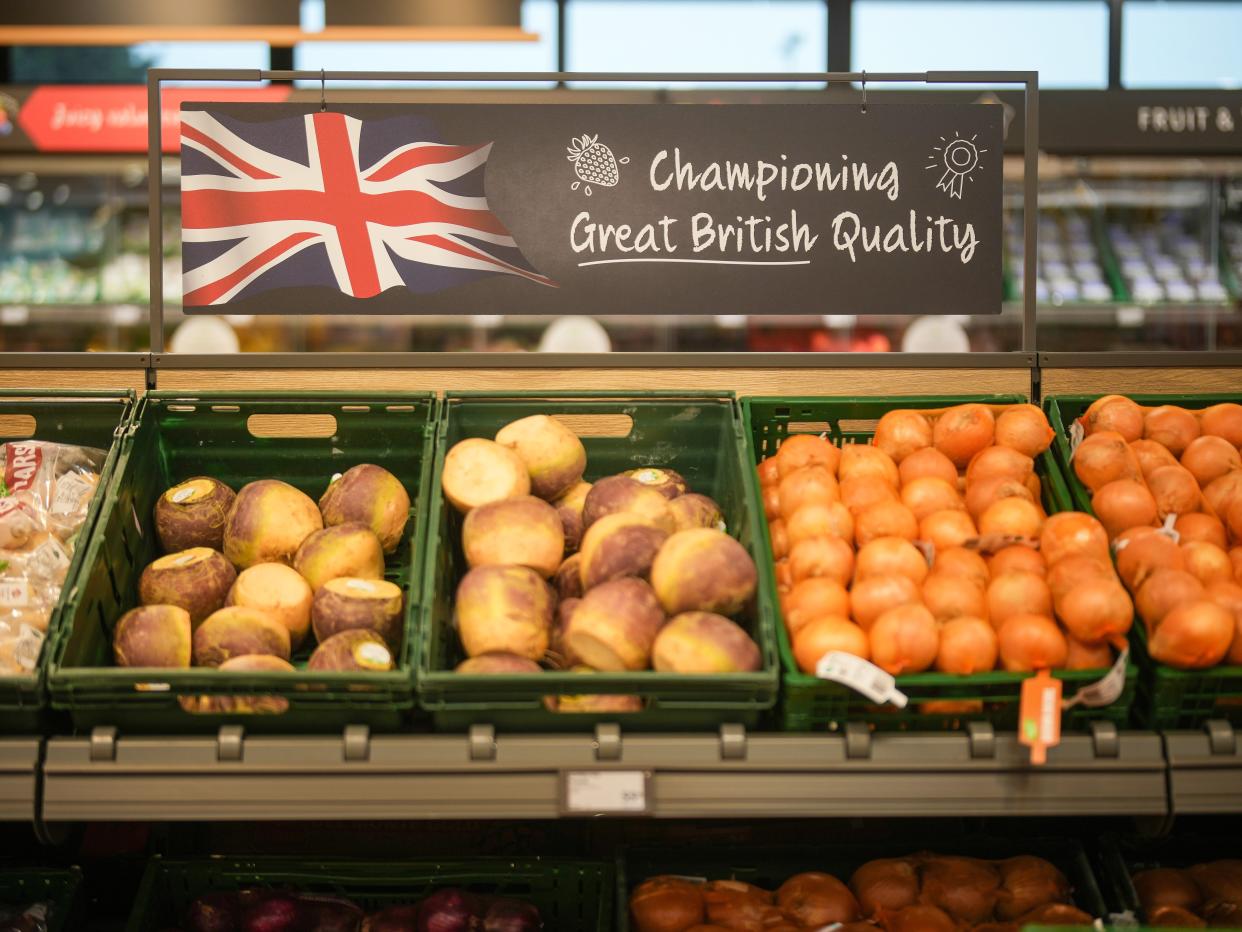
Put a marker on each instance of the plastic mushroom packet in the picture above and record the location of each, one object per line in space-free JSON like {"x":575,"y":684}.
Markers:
{"x":45,"y":492}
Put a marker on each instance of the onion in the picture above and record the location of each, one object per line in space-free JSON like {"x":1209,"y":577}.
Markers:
{"x":885,"y":886}
{"x":1193,"y":636}
{"x":1175,"y":917}
{"x":865,"y":491}
{"x":828,"y":557}
{"x":1207,"y":562}
{"x":1228,"y":595}
{"x":999,"y":461}
{"x":1070,"y":534}
{"x":900,"y":433}
{"x":965,"y":888}
{"x":1233,"y":518}
{"x":810,"y":485}
{"x":784,"y":578}
{"x":769,"y":474}
{"x":1175,"y":491}
{"x":859,"y":459}
{"x":505,"y":915}
{"x":1164,"y":590}
{"x":1028,"y":882}
{"x":814,"y":598}
{"x":885,"y":519}
{"x":947,"y":529}
{"x":1033,"y":486}
{"x":983,"y":494}
{"x":1219,"y":880}
{"x":1151,"y":456}
{"x":928,"y":495}
{"x":1017,"y":593}
{"x":928,"y":463}
{"x":779,"y":535}
{"x":1172,"y":427}
{"x":1198,"y":526}
{"x":967,"y":645}
{"x":1074,"y":570}
{"x":1103,"y":458}
{"x":1221,"y":492}
{"x":920,"y":918}
{"x":1209,"y":458}
{"x":958,"y":561}
{"x":1123,"y":504}
{"x":872,"y":597}
{"x":806,"y":450}
{"x":737,"y":905}
{"x":904,"y":640}
{"x":771,"y":502}
{"x":447,"y":910}
{"x":820,"y":521}
{"x":1055,"y":914}
{"x":1223,"y":420}
{"x":1085,"y":656}
{"x":962,"y":431}
{"x":1144,"y":555}
{"x":814,"y":900}
{"x":1235,"y":559}
{"x":1166,"y":886}
{"x":824,"y":635}
{"x":1031,"y":642}
{"x":948,"y":596}
{"x":1024,"y":428}
{"x":1097,"y":610}
{"x":890,"y":556}
{"x":1013,"y":517}
{"x":1017,"y":557}
{"x":1114,"y":413}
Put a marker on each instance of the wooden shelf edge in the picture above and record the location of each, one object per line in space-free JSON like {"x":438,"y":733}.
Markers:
{"x":278,"y":35}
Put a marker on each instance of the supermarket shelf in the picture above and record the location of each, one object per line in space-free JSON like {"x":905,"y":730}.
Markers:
{"x":19,"y":765}
{"x":482,"y":775}
{"x":1205,"y":769}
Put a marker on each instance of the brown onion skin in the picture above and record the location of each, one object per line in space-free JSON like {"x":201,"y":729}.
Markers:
{"x":1056,"y":914}
{"x":1114,"y":413}
{"x":1166,"y":886}
{"x":965,"y":888}
{"x":1223,"y":420}
{"x":1152,"y":456}
{"x":815,"y":899}
{"x":1172,"y":427}
{"x":1219,"y":880}
{"x":1143,"y":555}
{"x":885,"y":886}
{"x":1200,"y":526}
{"x":1028,"y":882}
{"x":1194,"y":636}
{"x":1174,"y":917}
{"x":666,"y":904}
{"x":920,"y":918}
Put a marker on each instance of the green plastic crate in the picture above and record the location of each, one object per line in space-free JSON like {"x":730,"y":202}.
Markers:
{"x":571,"y":895}
{"x":697,"y":434}
{"x":770,"y":867}
{"x":1120,"y":858}
{"x":177,"y":436}
{"x":1167,"y":698}
{"x":59,"y":889}
{"x":808,"y":702}
{"x":82,"y":418}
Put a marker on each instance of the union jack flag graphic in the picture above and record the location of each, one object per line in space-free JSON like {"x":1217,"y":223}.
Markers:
{"x":330,"y":200}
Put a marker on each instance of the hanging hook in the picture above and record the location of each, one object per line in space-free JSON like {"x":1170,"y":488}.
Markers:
{"x":864,"y":90}
{"x":323,"y":91}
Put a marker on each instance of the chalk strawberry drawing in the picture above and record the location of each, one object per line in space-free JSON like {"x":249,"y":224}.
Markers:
{"x":594,"y":163}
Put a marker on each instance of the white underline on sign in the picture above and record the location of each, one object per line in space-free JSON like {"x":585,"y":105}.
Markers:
{"x":700,"y":261}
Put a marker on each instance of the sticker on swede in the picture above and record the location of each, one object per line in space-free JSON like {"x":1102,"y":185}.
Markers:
{"x":602,"y":209}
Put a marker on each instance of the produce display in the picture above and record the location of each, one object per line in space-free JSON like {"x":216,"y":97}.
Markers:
{"x":1166,"y":482}
{"x":928,"y":548}
{"x":45,"y":492}
{"x":1070,"y":268}
{"x":253,"y":580}
{"x":1201,"y":895}
{"x":1167,"y":260}
{"x":447,"y":910}
{"x":631,"y":572}
{"x":921,"y":893}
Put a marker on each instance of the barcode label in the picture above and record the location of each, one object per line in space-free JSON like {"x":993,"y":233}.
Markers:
{"x":862,"y":676}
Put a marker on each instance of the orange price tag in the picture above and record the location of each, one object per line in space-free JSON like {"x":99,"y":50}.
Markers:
{"x":1039,"y":715}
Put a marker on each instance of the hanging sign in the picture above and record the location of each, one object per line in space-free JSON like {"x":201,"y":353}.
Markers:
{"x":603,"y":209}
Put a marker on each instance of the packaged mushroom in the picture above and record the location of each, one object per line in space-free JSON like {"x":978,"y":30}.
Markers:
{"x":45,"y":492}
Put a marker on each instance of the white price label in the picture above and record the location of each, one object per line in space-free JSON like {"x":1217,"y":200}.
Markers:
{"x":72,"y":491}
{"x":862,"y":676}
{"x":14,"y":593}
{"x":601,"y":792}
{"x":50,"y":558}
{"x":1104,"y":691}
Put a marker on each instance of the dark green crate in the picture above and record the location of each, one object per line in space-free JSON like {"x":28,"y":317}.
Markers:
{"x":1167,"y":698}
{"x":59,"y":889}
{"x":699,"y":435}
{"x":770,"y":867}
{"x":808,"y":702}
{"x":1119,"y":858}
{"x":571,"y":895}
{"x":178,"y":436}
{"x":81,"y":418}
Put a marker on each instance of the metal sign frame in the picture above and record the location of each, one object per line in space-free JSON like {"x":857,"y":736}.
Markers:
{"x":1025,"y":357}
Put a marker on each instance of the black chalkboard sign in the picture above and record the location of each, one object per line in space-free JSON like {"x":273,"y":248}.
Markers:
{"x":604,"y":209}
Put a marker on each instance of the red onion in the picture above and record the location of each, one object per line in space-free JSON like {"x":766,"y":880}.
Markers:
{"x":392,"y":919}
{"x":275,"y":914}
{"x":512,"y":916}
{"x":448,"y":910}
{"x":213,"y":912}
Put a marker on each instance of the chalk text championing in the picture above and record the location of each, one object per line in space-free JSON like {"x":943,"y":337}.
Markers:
{"x":766,"y":234}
